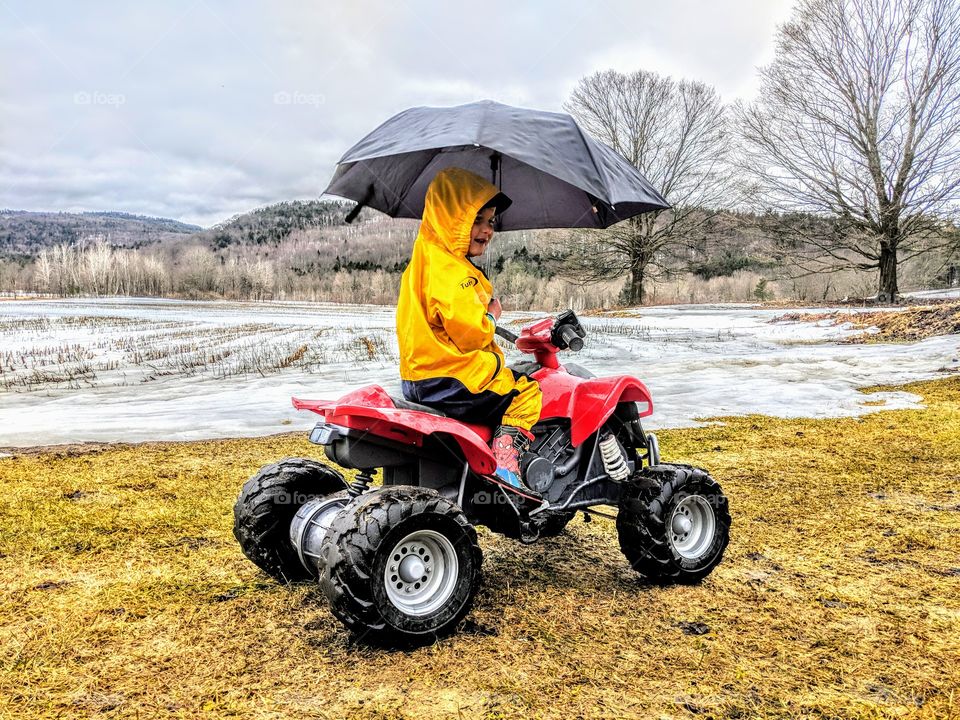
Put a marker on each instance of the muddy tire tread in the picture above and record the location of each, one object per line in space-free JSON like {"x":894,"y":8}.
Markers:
{"x":351,"y":544}
{"x":641,"y":523}
{"x":261,"y":523}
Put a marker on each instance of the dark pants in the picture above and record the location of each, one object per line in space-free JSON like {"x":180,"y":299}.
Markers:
{"x":451,"y":397}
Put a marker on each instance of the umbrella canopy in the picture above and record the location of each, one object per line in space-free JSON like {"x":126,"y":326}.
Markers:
{"x":556,"y":174}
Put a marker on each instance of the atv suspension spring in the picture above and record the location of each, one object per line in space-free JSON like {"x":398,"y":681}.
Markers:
{"x":362,"y":483}
{"x":613,"y":461}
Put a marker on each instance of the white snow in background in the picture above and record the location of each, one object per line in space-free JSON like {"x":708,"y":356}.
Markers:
{"x":698,"y":361}
{"x":934,"y":294}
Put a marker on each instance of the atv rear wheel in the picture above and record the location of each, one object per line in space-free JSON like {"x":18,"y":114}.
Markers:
{"x":400,"y":565}
{"x":673,"y":524}
{"x":266,"y":507}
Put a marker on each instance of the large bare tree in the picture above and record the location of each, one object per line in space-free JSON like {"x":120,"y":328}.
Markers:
{"x":859,"y":120}
{"x":674,"y":133}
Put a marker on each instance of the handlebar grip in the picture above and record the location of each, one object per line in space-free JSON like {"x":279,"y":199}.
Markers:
{"x":571,"y":338}
{"x":506,"y":334}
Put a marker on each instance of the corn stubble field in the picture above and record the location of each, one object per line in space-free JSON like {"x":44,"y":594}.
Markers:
{"x":125,"y":595}
{"x":122,"y":351}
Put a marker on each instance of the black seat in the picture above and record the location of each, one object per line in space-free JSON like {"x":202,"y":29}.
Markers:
{"x":525,"y":367}
{"x":404,"y":404}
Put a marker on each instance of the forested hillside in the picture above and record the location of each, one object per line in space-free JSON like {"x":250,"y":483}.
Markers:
{"x":305,"y":250}
{"x":24,"y":234}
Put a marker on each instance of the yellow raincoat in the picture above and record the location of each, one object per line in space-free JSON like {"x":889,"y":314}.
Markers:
{"x":448,"y":357}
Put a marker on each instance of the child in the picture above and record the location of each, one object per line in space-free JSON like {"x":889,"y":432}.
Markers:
{"x":446,"y":317}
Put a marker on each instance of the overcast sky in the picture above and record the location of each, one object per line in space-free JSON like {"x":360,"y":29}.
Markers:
{"x":197,"y":110}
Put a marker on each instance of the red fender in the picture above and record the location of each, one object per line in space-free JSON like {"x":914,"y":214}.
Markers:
{"x":371,"y":408}
{"x":588,"y":402}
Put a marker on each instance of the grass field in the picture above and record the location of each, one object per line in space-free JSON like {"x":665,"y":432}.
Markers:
{"x":123,"y":593}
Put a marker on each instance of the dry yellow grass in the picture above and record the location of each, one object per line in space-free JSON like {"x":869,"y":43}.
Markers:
{"x":125,"y":595}
{"x":910,"y":324}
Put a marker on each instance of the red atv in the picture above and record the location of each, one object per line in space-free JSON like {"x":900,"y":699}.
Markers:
{"x":400,"y":563}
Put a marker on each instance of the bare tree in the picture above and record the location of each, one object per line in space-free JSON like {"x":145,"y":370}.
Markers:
{"x":154,"y":275}
{"x":43,"y":275}
{"x":120,"y":284}
{"x":65,"y":270}
{"x":96,"y":265}
{"x":198,"y":271}
{"x":674,"y":132}
{"x":859,"y":120}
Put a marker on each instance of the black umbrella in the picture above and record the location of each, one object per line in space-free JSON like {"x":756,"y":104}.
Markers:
{"x":556,"y":174}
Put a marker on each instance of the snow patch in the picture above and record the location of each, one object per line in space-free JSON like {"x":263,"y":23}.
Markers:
{"x":945,"y":293}
{"x":698,"y":361}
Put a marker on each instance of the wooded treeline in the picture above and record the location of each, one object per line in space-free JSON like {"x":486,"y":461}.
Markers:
{"x":736,"y":257}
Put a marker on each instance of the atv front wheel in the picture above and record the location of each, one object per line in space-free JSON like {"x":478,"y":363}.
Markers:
{"x":673,"y":524}
{"x":266,"y":507}
{"x":400,"y":565}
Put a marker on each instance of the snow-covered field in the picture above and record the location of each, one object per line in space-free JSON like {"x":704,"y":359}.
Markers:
{"x":121,"y":369}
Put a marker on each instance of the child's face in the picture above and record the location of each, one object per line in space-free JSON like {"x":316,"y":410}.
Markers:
{"x":481,"y":233}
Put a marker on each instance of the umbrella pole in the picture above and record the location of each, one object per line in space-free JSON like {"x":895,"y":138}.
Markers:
{"x":496,"y":178}
{"x":496,"y":175}
{"x":495,"y":166}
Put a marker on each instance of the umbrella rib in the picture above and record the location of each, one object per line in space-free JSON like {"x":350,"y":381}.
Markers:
{"x":593,"y":159}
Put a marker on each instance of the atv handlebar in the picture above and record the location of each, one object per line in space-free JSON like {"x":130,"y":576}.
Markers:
{"x":570,"y":337}
{"x":506,"y":334}
{"x":566,"y":333}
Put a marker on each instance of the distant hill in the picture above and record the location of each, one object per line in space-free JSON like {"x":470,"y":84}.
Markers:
{"x":24,"y":234}
{"x":157,"y":222}
{"x":310,"y":236}
{"x":272,"y":224}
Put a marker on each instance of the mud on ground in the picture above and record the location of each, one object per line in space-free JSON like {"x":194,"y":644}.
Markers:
{"x":124,"y":594}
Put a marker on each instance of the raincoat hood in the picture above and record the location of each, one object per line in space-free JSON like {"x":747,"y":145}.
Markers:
{"x":454,"y":197}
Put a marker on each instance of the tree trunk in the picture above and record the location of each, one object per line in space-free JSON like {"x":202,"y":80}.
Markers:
{"x":635,"y":295}
{"x":888,"y":291}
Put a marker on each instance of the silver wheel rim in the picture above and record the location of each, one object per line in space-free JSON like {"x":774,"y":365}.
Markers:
{"x":421,"y":573}
{"x":692,"y":527}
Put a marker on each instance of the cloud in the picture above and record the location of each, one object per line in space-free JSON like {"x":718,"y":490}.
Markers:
{"x":198,"y":110}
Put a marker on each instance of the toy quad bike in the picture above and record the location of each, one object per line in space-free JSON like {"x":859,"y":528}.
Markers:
{"x":401,"y":563}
